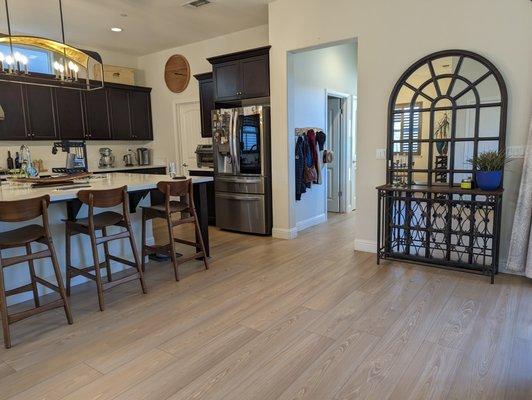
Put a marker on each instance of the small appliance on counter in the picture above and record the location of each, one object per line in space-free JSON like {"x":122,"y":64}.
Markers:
{"x":205,"y":156}
{"x":129,"y":158}
{"x":76,"y":160}
{"x":143,"y":156}
{"x":107,"y":159}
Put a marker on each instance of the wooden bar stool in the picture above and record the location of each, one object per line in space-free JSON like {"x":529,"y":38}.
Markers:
{"x":100,"y":222}
{"x":185,"y":207}
{"x":19,"y":211}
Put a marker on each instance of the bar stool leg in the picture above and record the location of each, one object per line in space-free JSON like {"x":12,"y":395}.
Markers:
{"x":200,"y":237}
{"x":68,"y":258}
{"x":59,"y":279}
{"x":136,"y":257}
{"x":107,"y":261}
{"x":3,"y":308}
{"x":143,"y":252}
{"x":172,"y":246}
{"x":32,"y":276}
{"x":98,"y":277}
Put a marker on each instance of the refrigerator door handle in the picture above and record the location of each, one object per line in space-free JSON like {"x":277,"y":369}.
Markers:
{"x":235,"y":148}
{"x":239,"y":197}
{"x":240,"y":179}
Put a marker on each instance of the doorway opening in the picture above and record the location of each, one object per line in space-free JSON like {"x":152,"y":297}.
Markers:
{"x":187,"y":135}
{"x":336,"y":131}
{"x":322,"y":88}
{"x":341,"y":172}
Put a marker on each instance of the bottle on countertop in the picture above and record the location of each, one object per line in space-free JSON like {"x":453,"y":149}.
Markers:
{"x":10,"y":162}
{"x":17,"y":160}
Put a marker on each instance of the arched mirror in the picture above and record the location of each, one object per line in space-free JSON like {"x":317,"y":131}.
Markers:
{"x":445,"y":109}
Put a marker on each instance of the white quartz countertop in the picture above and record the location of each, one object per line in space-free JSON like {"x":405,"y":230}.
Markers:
{"x":124,"y":168}
{"x":134,"y":182}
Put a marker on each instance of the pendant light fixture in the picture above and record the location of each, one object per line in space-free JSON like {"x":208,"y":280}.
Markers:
{"x":68,"y":67}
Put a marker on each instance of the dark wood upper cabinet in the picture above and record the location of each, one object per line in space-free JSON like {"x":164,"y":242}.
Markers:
{"x":241,"y":75}
{"x":119,"y":114}
{"x":140,"y":110}
{"x":228,"y":80}
{"x":13,"y":125}
{"x":40,"y":112}
{"x":96,"y":115}
{"x":69,"y":114}
{"x":116,"y":112}
{"x":256,"y":77}
{"x":206,"y":93}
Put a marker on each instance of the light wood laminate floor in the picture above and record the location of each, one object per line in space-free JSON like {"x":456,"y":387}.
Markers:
{"x":273,"y":319}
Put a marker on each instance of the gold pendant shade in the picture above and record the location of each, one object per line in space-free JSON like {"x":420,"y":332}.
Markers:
{"x":52,"y":46}
{"x":59,"y":64}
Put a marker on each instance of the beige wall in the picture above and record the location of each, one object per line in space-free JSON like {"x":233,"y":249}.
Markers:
{"x":389,"y":40}
{"x":163,"y":101}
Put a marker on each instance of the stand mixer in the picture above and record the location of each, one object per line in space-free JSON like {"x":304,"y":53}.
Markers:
{"x":107,"y":159}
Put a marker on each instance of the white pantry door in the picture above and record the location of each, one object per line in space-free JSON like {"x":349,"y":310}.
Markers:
{"x":334,"y":118}
{"x":188,"y":135}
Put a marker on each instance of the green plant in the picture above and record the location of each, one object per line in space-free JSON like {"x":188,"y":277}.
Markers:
{"x":489,"y":161}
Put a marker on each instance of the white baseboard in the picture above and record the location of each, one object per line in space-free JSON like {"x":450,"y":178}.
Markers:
{"x":368,"y":246}
{"x":318,"y":219}
{"x":281,"y":233}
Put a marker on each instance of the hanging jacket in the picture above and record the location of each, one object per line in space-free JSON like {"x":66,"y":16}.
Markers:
{"x":300,"y":167}
{"x":321,"y":137}
{"x":313,"y":147}
{"x":309,"y":171}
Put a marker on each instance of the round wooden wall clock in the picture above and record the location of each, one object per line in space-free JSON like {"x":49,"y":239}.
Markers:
{"x":177,"y":73}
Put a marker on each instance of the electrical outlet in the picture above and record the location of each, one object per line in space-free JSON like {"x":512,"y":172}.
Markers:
{"x":381,"y":154}
{"x":515,"y":151}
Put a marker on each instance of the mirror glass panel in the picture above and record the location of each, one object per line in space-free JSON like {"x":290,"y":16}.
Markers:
{"x":471,"y":69}
{"x":489,"y":122}
{"x":488,"y":90}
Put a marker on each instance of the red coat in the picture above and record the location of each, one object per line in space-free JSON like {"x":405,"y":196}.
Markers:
{"x":311,"y":136}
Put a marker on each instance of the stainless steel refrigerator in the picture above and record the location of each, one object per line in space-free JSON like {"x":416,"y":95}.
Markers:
{"x":242,"y":169}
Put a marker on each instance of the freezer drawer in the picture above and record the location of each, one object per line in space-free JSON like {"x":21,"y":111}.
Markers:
{"x":242,"y":212}
{"x":240,"y":184}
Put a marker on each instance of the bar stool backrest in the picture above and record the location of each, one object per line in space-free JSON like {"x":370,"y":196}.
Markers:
{"x":103,"y":198}
{"x":23,"y":210}
{"x":181,"y":189}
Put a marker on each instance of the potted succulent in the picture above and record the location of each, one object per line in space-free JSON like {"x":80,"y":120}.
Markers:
{"x":489,"y":166}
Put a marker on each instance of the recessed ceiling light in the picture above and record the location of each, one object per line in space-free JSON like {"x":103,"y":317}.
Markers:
{"x":116,"y":29}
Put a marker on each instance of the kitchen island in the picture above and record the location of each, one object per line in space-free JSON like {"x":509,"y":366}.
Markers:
{"x":142,"y":189}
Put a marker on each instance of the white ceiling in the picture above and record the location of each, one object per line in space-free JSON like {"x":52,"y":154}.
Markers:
{"x":150,"y":25}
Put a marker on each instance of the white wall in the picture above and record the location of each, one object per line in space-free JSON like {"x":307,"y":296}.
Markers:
{"x":313,"y":72}
{"x":163,"y":100}
{"x":392,"y":35}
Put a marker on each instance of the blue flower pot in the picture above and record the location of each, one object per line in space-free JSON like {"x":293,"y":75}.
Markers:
{"x":488,"y":180}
